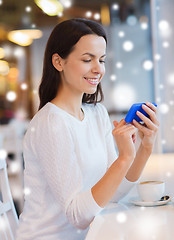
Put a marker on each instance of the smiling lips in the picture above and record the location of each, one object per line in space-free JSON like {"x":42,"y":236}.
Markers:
{"x":93,"y":81}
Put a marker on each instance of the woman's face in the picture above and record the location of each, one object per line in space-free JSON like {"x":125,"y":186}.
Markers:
{"x":84,"y":68}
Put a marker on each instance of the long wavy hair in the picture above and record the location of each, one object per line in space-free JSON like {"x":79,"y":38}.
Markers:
{"x":62,"y":40}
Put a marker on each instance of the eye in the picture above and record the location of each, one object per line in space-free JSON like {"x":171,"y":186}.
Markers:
{"x":102,"y":61}
{"x":86,"y":60}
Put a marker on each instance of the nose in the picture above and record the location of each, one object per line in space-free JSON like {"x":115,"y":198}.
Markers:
{"x":98,"y":67}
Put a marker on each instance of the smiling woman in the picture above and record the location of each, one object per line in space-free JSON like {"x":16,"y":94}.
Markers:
{"x":71,"y":167}
{"x":58,"y":52}
{"x":82,"y":70}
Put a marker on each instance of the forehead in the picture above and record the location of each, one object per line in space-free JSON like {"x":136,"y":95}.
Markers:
{"x":90,"y":43}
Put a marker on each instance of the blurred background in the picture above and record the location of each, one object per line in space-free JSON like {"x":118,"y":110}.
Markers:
{"x":139,"y":66}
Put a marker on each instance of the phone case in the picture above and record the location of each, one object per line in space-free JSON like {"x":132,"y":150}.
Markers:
{"x":132,"y":112}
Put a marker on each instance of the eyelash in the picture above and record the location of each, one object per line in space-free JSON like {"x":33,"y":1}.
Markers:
{"x":87,"y":61}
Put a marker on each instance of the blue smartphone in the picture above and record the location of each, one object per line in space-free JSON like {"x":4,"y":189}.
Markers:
{"x":132,"y":112}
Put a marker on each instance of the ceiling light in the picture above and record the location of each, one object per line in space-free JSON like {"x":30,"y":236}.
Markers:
{"x":50,"y":7}
{"x":115,"y":6}
{"x":11,"y":96}
{"x":96,"y":16}
{"x":28,"y":9}
{"x":88,"y":14}
{"x":24,"y":86}
{"x":24,"y":37}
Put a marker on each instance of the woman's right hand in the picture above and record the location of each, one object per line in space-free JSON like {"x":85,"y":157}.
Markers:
{"x":124,"y":135}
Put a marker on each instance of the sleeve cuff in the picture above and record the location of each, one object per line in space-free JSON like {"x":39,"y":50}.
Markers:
{"x":123,"y":189}
{"x":94,"y":208}
{"x":88,"y":209}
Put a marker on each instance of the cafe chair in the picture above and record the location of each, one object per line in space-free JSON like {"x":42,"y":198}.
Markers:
{"x":8,"y":215}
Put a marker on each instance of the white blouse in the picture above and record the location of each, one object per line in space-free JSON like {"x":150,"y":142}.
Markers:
{"x":64,"y":158}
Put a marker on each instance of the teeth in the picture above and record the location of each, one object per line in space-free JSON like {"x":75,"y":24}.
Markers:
{"x":92,"y":80}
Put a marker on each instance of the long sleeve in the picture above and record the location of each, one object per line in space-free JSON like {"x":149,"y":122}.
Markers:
{"x":58,"y":159}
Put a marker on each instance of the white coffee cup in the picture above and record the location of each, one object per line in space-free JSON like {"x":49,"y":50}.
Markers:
{"x":151,"y":190}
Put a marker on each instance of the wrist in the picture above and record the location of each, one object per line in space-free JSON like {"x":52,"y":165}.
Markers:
{"x":146,"y":150}
{"x":125,"y":160}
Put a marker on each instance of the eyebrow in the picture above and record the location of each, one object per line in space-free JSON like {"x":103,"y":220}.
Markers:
{"x":92,"y":55}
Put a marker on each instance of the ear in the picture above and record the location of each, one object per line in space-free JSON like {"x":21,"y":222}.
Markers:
{"x":57,"y":62}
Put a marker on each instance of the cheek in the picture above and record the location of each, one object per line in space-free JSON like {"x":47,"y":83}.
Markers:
{"x":82,"y":69}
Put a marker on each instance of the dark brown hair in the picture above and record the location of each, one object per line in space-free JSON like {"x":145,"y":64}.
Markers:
{"x":62,"y":40}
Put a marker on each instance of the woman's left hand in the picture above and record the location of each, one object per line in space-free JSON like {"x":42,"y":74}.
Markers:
{"x":149,"y":129}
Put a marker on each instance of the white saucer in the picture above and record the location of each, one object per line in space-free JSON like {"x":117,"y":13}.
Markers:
{"x":139,"y":202}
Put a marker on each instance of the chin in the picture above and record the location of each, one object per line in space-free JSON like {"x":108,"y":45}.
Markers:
{"x":91,"y":91}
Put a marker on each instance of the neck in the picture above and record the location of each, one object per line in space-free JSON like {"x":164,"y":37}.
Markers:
{"x":72,"y":105}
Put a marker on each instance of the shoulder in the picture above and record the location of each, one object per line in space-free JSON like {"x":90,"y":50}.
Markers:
{"x":48,"y":118}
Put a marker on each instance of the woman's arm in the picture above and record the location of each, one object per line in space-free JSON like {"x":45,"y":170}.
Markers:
{"x":147,"y":134}
{"x":138,"y":165}
{"x":104,"y":189}
{"x":126,"y":165}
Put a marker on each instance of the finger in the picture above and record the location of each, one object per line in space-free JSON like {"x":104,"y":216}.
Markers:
{"x":116,"y":129}
{"x":146,"y":131}
{"x":147,"y":121}
{"x":130,"y":129}
{"x":150,"y":105}
{"x":115,"y":123}
{"x":122,"y":122}
{"x":119,"y":124}
{"x":122,"y":129}
{"x":151,"y":113}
